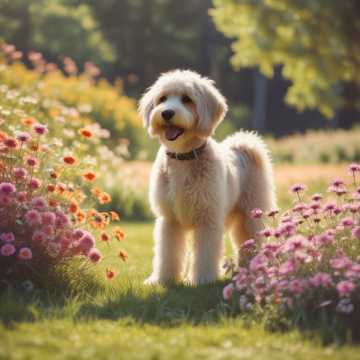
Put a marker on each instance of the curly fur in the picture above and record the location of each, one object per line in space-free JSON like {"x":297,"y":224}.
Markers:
{"x":208,"y":195}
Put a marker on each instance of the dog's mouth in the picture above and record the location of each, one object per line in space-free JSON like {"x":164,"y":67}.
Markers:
{"x":172,"y":132}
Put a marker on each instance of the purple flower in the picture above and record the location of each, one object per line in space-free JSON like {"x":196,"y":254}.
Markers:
{"x":7,"y":237}
{"x":7,"y":188}
{"x":256,"y":213}
{"x":356,"y":232}
{"x":354,"y":168}
{"x":8,"y":250}
{"x":345,"y":288}
{"x":40,"y":129}
{"x":248,"y":244}
{"x":258,"y":262}
{"x":38,"y":203}
{"x":228,"y":291}
{"x":32,"y":217}
{"x":341,"y":262}
{"x":23,"y":137}
{"x":316,"y":197}
{"x":87,"y":242}
{"x":296,"y":188}
{"x":347,"y":222}
{"x":321,"y":279}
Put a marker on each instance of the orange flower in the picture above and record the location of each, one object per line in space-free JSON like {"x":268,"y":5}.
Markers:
{"x":86,"y":133}
{"x":119,"y":234}
{"x":104,"y":198}
{"x":34,"y":147}
{"x":70,"y":160}
{"x":122,"y":255}
{"x":11,"y":143}
{"x":96,"y":191}
{"x":53,"y":203}
{"x":3,"y":136}
{"x":110,"y":273}
{"x":29,"y":121}
{"x":51,"y":188}
{"x":80,"y":215}
{"x":61,"y":187}
{"x":89,"y":176}
{"x":73,"y":208}
{"x":114,"y":215}
{"x":104,"y":236}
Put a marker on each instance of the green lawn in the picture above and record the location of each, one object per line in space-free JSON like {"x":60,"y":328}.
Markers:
{"x":130,"y":321}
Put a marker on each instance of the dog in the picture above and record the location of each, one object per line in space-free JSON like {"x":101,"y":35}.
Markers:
{"x":198,"y":184}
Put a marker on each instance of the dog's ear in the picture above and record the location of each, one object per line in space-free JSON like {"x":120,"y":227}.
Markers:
{"x":146,"y":104}
{"x":211,"y":107}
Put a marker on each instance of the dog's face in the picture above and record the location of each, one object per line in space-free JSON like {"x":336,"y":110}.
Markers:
{"x":180,"y":107}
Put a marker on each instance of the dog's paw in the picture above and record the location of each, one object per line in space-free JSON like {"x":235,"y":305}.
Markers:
{"x":152,"y":280}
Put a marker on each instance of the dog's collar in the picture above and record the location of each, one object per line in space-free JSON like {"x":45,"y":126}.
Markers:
{"x":193,"y":154}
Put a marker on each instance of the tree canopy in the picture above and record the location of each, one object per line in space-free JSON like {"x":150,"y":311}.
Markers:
{"x":315,"y":41}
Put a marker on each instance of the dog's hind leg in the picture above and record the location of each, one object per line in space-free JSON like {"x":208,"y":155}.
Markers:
{"x":169,"y":255}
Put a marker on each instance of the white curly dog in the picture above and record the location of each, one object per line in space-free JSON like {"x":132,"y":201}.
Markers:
{"x":197,"y":184}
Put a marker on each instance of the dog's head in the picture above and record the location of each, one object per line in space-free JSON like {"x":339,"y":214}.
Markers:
{"x":181,"y":106}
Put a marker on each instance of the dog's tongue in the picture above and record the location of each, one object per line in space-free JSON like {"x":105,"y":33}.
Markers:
{"x":173,"y":132}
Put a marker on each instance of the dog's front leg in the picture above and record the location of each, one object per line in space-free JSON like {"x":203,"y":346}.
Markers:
{"x":169,"y":252}
{"x":208,"y":248}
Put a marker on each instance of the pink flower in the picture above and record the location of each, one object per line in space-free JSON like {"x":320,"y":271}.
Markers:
{"x":21,"y":196}
{"x":256,"y":213}
{"x":324,"y":239}
{"x":32,"y":161}
{"x":5,"y":200}
{"x":7,"y":237}
{"x":356,"y":232}
{"x":48,"y":218}
{"x":330,"y":207}
{"x":288,"y":267}
{"x":296,"y":188}
{"x":340,"y":262}
{"x":61,"y":219}
{"x":7,"y":250}
{"x":78,"y":234}
{"x":321,"y":279}
{"x":23,"y":137}
{"x":32,"y":217}
{"x":248,"y":244}
{"x":94,"y":255}
{"x":7,"y":188}
{"x":316,"y":197}
{"x":258,"y":262}
{"x":25,"y":254}
{"x":266,"y":232}
{"x":38,"y":203}
{"x":345,"y":288}
{"x":48,"y":231}
{"x":38,"y":236}
{"x":354,"y":168}
{"x":40,"y":129}
{"x":87,"y":242}
{"x":34,"y":183}
{"x":297,"y":286}
{"x":294,"y":243}
{"x":20,"y":173}
{"x":228,"y":291}
{"x":347,"y":222}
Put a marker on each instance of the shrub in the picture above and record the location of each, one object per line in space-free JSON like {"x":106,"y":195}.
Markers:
{"x":47,"y":197}
{"x":307,"y":269}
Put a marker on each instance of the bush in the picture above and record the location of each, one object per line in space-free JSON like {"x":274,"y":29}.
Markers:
{"x":307,"y":270}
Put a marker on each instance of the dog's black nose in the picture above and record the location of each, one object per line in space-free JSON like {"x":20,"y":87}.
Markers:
{"x":167,"y":114}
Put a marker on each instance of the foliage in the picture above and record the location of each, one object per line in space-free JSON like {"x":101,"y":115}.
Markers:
{"x":314,"y":41}
{"x":47,"y":191}
{"x":55,"y":28}
{"x":307,"y":269}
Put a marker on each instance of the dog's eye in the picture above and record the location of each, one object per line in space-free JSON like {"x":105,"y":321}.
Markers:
{"x":162,"y":99}
{"x":185,"y":99}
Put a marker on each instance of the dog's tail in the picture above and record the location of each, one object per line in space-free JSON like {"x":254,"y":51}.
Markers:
{"x":252,"y":154}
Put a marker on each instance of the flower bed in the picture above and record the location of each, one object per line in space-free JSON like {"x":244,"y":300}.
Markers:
{"x":306,"y":270}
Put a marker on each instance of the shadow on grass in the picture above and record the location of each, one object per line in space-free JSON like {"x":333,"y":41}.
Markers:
{"x":173,"y":305}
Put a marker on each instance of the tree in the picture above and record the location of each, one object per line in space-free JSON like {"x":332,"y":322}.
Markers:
{"x":316,"y":42}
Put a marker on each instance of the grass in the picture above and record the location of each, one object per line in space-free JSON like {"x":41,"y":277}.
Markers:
{"x":126,"y":320}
